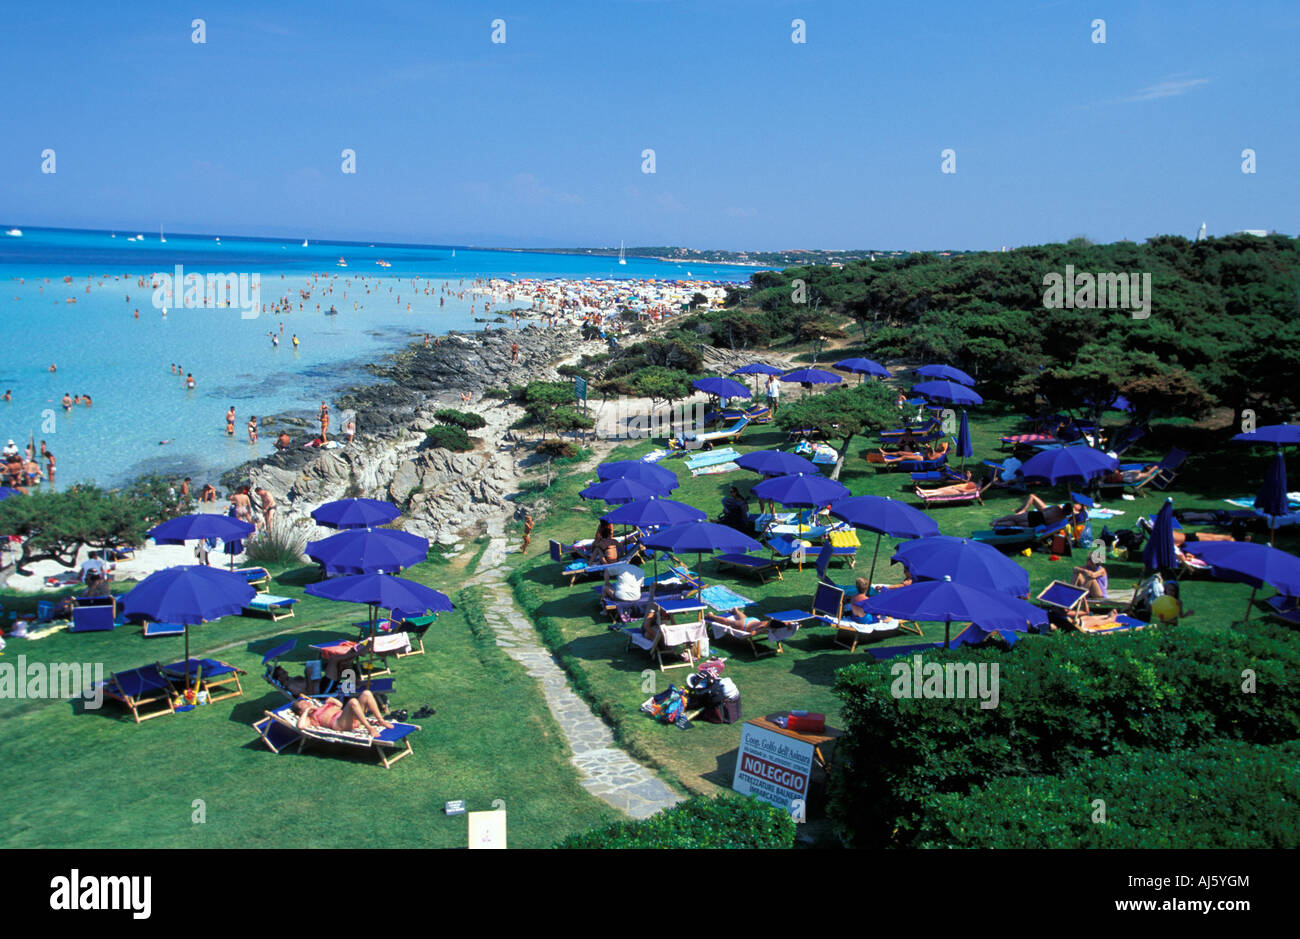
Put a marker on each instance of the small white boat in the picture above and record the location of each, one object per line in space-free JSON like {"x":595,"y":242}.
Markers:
{"x":621,"y":259}
{"x":304,"y":242}
{"x":14,"y":233}
{"x":161,"y":237}
{"x":342,"y":262}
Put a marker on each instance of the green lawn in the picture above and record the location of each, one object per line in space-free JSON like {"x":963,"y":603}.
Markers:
{"x":702,"y":758}
{"x":95,"y":779}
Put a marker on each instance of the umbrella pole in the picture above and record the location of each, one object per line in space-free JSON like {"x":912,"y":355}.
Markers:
{"x":187,"y":657}
{"x":947,"y":633}
{"x":1249,"y":603}
{"x":872,"y":576}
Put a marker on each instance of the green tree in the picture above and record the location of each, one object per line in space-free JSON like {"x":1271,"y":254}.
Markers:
{"x":660,"y":384}
{"x":55,"y":526}
{"x":842,"y":413}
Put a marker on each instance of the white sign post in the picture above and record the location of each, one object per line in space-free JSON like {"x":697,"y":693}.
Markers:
{"x":773,"y":767}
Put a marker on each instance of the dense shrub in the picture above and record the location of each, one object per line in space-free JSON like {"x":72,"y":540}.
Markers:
{"x":1228,"y":795}
{"x":466,"y":420}
{"x":499,"y":394}
{"x":1062,"y":702}
{"x":557,"y":448}
{"x":721,"y":822}
{"x":449,"y":437}
{"x":280,"y":545}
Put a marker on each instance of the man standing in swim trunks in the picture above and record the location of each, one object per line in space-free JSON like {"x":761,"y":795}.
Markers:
{"x":67,"y":401}
{"x":268,"y":505}
{"x":230,"y":422}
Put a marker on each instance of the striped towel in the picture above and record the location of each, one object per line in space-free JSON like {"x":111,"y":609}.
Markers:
{"x":714,"y":470}
{"x":723,"y":598}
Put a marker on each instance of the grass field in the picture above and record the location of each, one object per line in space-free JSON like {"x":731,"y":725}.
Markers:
{"x":85,"y":778}
{"x":702,"y":758}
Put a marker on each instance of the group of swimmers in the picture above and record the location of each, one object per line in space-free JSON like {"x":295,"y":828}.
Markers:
{"x":69,"y":400}
{"x":189,"y":376}
{"x":21,"y":471}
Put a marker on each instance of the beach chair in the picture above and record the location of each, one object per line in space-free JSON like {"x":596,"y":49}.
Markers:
{"x":279,"y":729}
{"x":1136,"y":600}
{"x":912,"y":466}
{"x":706,"y":441}
{"x":829,"y":605}
{"x":146,"y":691}
{"x":1061,"y":599}
{"x":924,"y":433}
{"x":843,"y":544}
{"x":1127,"y":438}
{"x":1166,"y":473}
{"x":672,"y":637}
{"x":1021,"y":537}
{"x":154,"y":630}
{"x":1284,"y":608}
{"x":789,"y":550}
{"x":780,"y":628}
{"x":415,"y":628}
{"x":265,"y":604}
{"x":1026,"y":441}
{"x":943,"y":475}
{"x":258,"y":577}
{"x":92,"y":617}
{"x":753,"y":565}
{"x":950,"y":496}
{"x":210,"y":675}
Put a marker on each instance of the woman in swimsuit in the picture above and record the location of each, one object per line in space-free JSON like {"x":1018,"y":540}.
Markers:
{"x":334,"y":714}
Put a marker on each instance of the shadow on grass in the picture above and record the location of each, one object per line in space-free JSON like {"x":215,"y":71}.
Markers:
{"x":299,"y":576}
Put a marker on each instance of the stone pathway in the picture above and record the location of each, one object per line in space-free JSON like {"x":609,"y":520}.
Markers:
{"x":608,"y":772}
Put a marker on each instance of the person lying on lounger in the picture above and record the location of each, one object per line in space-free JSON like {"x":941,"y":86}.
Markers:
{"x":1036,"y":512}
{"x":737,"y":620}
{"x":1082,"y":619}
{"x":333,"y":714}
{"x":966,"y":487}
{"x":930,"y":453}
{"x":1131,"y":477}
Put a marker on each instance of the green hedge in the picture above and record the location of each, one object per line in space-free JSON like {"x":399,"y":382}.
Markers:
{"x":1062,"y":701}
{"x":466,"y":420}
{"x":449,"y":437}
{"x":721,"y":822}
{"x":1229,"y":795}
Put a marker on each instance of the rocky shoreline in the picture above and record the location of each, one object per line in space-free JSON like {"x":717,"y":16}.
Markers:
{"x":445,"y":496}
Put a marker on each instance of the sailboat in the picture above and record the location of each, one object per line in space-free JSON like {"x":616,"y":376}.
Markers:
{"x":621,"y":259}
{"x":161,"y":237}
{"x":304,"y":242}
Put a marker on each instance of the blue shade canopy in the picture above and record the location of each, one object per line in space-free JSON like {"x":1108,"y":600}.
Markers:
{"x":813,"y":376}
{"x":884,"y":515}
{"x":368,"y":551}
{"x":1158,"y":553}
{"x":657,"y":477}
{"x":863,"y":367}
{"x":758,"y":368}
{"x":775,"y":463}
{"x":617,"y":491}
{"x":6,"y":492}
{"x":395,"y":593}
{"x":947,"y":373}
{"x":721,"y":387}
{"x":200,"y":526}
{"x":966,"y":562}
{"x":645,"y":513}
{"x":188,"y":594}
{"x":947,"y":392}
{"x":944,"y":601}
{"x":800,"y":489}
{"x":1250,"y":563}
{"x":1272,"y":498}
{"x":1279,"y":435}
{"x":355,"y":513}
{"x":699,"y":537}
{"x":964,"y":448}
{"x":1068,"y":463}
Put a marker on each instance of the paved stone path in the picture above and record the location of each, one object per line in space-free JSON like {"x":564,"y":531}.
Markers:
{"x":608,"y":772}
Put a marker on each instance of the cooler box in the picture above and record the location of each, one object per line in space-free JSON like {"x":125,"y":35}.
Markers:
{"x":808,"y":723}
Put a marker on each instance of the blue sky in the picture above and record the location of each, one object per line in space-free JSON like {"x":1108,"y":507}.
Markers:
{"x":760,"y":143}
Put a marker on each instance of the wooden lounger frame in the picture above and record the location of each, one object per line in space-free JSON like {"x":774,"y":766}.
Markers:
{"x":275,"y":719}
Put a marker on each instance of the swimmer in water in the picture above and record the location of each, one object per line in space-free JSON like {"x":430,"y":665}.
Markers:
{"x":67,"y":401}
{"x":189,"y":382}
{"x":252,"y":429}
{"x":53,"y":367}
{"x":163,"y":443}
{"x":295,"y":340}
{"x":230,"y":422}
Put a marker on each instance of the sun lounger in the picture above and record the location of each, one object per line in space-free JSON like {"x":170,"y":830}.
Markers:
{"x":945,"y":475}
{"x":1014,"y":441}
{"x":950,"y":496}
{"x":210,"y":675}
{"x":279,"y":729}
{"x":706,"y":441}
{"x":931,"y":429}
{"x":912,"y":466}
{"x":1122,"y":623}
{"x":141,"y":688}
{"x":277,"y":608}
{"x":829,"y":606}
{"x":1285,"y":608}
{"x":92,"y":619}
{"x":1009,"y":537}
{"x":759,"y":567}
{"x":844,"y":544}
{"x":154,"y":630}
{"x":672,"y":638}
{"x":780,"y":628}
{"x":415,"y":628}
{"x":257,"y":577}
{"x":1166,"y":472}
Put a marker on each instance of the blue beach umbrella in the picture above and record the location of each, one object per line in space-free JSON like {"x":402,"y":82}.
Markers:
{"x":863,"y":367}
{"x":812,"y":376}
{"x":1068,"y":463}
{"x":355,"y":513}
{"x":965,"y":561}
{"x":647,"y":513}
{"x":188,"y":594}
{"x":758,"y":368}
{"x":1280,"y":435}
{"x":800,"y":489}
{"x":884,"y":516}
{"x":721,"y":387}
{"x":655,"y":476}
{"x":382,"y":590}
{"x":617,"y":491}
{"x":699,"y":538}
{"x":368,"y":551}
{"x":200,"y":527}
{"x":775,"y":463}
{"x":947,"y":373}
{"x":947,"y":392}
{"x":1250,"y":563}
{"x":6,"y":492}
{"x":964,"y":448}
{"x":1158,"y":553}
{"x":1272,"y":499}
{"x":947,"y":602}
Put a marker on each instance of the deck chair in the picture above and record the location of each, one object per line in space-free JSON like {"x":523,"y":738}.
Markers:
{"x":212,"y":676}
{"x":279,"y":729}
{"x":946,"y":496}
{"x":829,"y":607}
{"x":1136,"y":600}
{"x":780,"y":628}
{"x":706,"y":441}
{"x":1284,"y":608}
{"x":154,"y":630}
{"x":258,"y":577}
{"x":1062,"y":599}
{"x":754,"y":565}
{"x":265,"y":604}
{"x":671,"y":637}
{"x":93,"y":614}
{"x":911,"y":466}
{"x":1026,"y":537}
{"x":1127,"y":438}
{"x":924,"y":433}
{"x":1168,"y":471}
{"x":415,"y":628}
{"x":146,"y":687}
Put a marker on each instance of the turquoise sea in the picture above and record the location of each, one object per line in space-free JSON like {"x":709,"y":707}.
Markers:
{"x":123,"y":363}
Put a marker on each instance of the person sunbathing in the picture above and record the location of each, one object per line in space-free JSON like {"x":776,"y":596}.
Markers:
{"x":1181,"y":537}
{"x":966,"y":487}
{"x":1131,"y":477}
{"x":604,"y":550}
{"x":737,"y":620}
{"x":1036,"y":512}
{"x":1082,"y":619}
{"x":334,"y":714}
{"x":900,"y":456}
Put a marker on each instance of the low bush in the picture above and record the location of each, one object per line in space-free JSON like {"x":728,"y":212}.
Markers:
{"x":721,"y":822}
{"x":449,"y":437}
{"x":467,"y":420}
{"x":281,"y":545}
